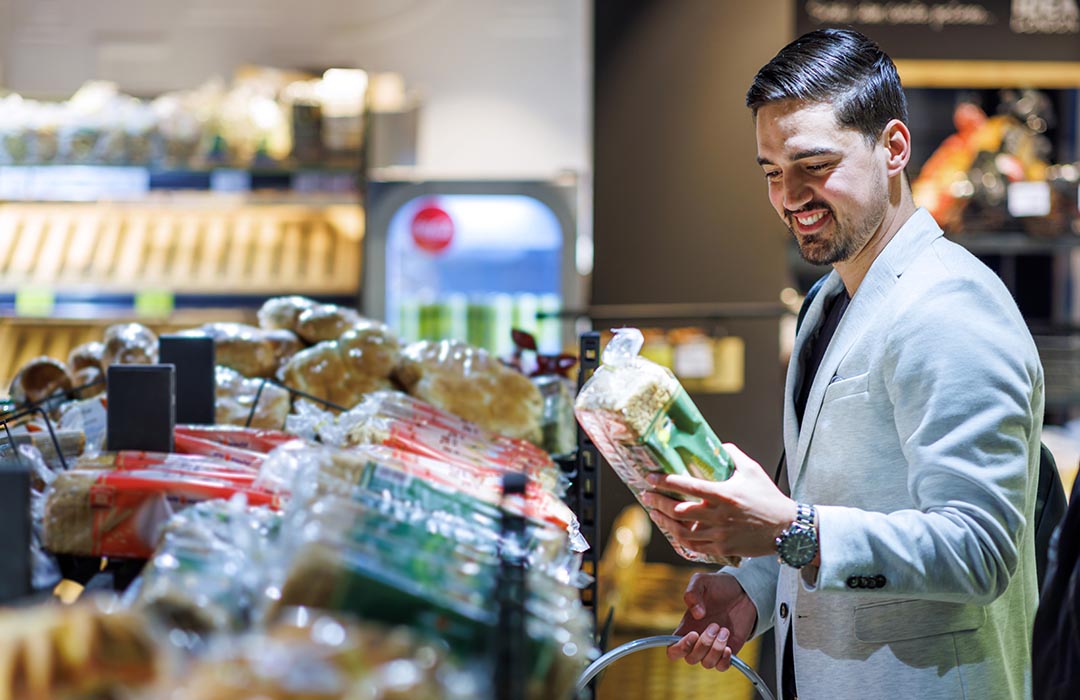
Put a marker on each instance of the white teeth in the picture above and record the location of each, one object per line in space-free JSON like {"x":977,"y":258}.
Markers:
{"x":810,"y":220}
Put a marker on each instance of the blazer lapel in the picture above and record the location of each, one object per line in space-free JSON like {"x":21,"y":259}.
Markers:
{"x":919,"y":231}
{"x":813,"y":318}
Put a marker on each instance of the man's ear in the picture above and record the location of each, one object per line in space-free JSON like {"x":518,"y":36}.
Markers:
{"x":897,"y":142}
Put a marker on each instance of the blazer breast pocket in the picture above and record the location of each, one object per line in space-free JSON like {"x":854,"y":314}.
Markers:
{"x":846,"y":386}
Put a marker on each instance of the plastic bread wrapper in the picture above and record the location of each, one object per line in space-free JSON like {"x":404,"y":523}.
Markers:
{"x":311,"y":653}
{"x":235,"y":399}
{"x":119,"y":510}
{"x":44,"y":570}
{"x":209,"y":573}
{"x":394,"y":419}
{"x":385,"y":561}
{"x":305,"y":473}
{"x":643,"y":421}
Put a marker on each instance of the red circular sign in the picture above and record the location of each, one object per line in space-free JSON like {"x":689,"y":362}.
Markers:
{"x":432,"y":229}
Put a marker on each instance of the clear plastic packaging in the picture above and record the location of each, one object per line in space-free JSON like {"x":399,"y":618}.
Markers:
{"x":117,"y":503}
{"x":130,"y":344}
{"x":386,"y":558}
{"x":468,"y":382}
{"x":316,"y":655}
{"x":643,"y":421}
{"x":236,"y":395}
{"x":209,"y":573}
{"x":396,"y":420}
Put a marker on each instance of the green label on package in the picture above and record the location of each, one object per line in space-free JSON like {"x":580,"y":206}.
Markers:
{"x":683,"y":443}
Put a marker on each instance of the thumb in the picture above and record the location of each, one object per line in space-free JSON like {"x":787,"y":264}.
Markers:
{"x":695,"y":603}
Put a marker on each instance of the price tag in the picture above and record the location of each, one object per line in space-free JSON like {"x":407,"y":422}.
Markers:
{"x":34,"y":301}
{"x":1029,"y":199}
{"x":156,"y":303}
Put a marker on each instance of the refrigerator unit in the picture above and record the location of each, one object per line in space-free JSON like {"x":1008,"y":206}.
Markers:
{"x":472,"y":259}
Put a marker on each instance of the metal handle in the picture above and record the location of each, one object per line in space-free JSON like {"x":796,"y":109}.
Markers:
{"x":662,"y":640}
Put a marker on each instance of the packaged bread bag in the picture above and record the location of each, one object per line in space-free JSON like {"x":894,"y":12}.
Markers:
{"x":642,"y":421}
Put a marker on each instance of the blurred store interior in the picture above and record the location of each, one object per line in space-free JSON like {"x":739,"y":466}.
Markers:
{"x":459,"y":168}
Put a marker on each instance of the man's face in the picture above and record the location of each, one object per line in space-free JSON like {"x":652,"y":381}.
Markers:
{"x":827,"y":182}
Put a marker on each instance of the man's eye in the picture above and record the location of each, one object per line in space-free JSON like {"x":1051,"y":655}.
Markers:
{"x":817,"y":167}
{"x":772,"y":175}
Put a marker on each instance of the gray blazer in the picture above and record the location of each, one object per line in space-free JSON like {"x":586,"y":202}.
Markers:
{"x":919,"y":445}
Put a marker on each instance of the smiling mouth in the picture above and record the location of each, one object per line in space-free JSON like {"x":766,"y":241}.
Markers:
{"x":810,"y":222}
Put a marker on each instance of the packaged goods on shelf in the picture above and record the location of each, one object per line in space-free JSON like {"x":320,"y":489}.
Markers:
{"x":209,"y":572}
{"x":643,"y":421}
{"x":73,"y":652}
{"x":115,"y":504}
{"x":397,"y":420}
{"x":383,"y":561}
{"x":316,"y":655}
{"x":129,"y":344}
{"x":470,"y":383}
{"x":243,"y":401}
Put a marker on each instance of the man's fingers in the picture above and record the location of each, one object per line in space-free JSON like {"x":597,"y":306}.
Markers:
{"x":688,"y":485}
{"x":676,"y":529}
{"x":660,"y":502}
{"x":716,"y":653}
{"x":725,"y":660}
{"x":681,"y":648}
{"x":704,"y":644}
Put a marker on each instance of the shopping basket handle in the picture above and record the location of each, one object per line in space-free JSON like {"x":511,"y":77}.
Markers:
{"x":662,"y":640}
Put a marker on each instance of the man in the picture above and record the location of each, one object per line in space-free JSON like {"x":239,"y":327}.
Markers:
{"x":902,"y":565}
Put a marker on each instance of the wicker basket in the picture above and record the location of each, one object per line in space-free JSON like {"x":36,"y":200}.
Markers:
{"x":647,"y":599}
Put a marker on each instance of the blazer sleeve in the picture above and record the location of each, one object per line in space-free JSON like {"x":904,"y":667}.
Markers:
{"x":758,"y":578}
{"x":965,"y":383}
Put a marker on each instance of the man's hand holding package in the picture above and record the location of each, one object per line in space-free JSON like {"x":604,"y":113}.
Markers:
{"x":742,"y":516}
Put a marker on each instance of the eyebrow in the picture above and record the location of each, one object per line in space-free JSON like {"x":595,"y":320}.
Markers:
{"x":810,"y":153}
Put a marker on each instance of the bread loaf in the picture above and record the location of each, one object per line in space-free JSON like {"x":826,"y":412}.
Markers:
{"x":470,"y":383}
{"x":130,"y":344}
{"x":283,"y":312}
{"x":342,"y":371}
{"x":39,"y":379}
{"x":325,"y":322}
{"x":90,"y":354}
{"x":241,"y":347}
{"x":235,"y":395}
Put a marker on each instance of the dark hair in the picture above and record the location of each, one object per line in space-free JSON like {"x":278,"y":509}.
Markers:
{"x":838,"y":66}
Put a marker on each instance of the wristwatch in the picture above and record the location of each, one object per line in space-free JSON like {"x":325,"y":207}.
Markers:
{"x":797,"y":545}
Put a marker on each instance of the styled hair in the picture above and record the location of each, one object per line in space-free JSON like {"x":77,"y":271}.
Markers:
{"x":840,"y":67}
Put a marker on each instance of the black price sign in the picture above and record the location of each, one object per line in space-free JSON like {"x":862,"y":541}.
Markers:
{"x":988,"y":30}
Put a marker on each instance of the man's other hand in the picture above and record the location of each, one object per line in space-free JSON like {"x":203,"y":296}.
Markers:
{"x":719,"y":618}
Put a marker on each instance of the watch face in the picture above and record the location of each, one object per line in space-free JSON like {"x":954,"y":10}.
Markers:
{"x":799,"y":547}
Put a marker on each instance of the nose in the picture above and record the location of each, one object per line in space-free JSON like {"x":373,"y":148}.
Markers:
{"x":796,"y":193}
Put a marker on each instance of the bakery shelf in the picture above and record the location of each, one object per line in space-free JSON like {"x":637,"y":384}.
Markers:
{"x":214,"y":248}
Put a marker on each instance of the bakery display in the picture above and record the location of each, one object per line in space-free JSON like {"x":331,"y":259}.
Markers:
{"x":297,"y":552}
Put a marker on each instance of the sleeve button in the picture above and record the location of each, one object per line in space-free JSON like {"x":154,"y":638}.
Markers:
{"x":853,"y":582}
{"x":783,"y":610}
